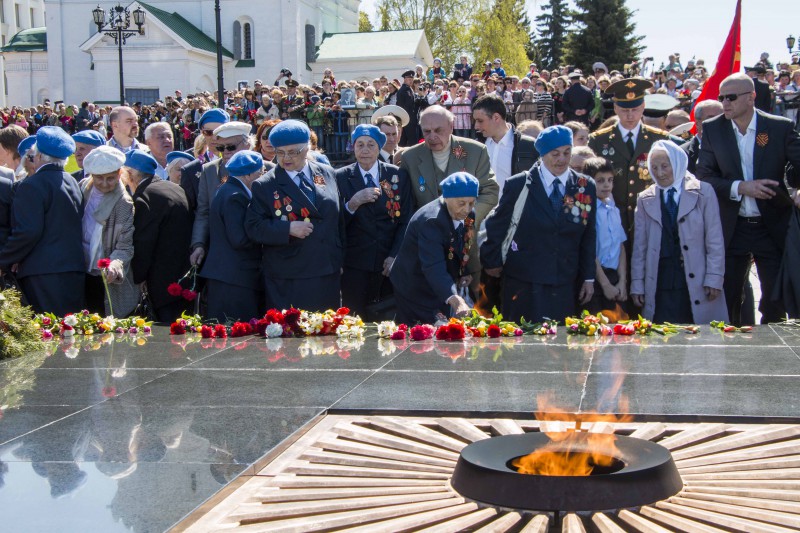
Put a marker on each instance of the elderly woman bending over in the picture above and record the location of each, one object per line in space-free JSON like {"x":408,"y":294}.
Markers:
{"x":678,"y":262}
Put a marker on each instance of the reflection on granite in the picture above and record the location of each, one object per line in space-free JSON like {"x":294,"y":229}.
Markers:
{"x":120,"y":433}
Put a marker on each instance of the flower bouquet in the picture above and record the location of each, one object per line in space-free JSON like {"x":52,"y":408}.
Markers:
{"x":588,"y":324}
{"x":177,"y":289}
{"x":494,"y":327}
{"x":86,"y":323}
{"x":548,"y":327}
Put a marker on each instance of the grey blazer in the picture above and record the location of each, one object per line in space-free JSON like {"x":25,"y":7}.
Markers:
{"x":210,"y":180}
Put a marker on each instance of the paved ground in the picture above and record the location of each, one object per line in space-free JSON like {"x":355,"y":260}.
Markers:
{"x":120,"y":437}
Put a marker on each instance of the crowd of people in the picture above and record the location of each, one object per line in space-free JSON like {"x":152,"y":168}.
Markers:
{"x":539,"y":194}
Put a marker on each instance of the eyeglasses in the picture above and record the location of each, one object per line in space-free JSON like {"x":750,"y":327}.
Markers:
{"x":291,"y":154}
{"x":731,"y":97}
{"x":229,"y":147}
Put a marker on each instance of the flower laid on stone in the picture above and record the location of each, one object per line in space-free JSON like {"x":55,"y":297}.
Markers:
{"x":729,"y":328}
{"x":493,"y":327}
{"x":548,"y":327}
{"x":86,"y":323}
{"x":588,"y":324}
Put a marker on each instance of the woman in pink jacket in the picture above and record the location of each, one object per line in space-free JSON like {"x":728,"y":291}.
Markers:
{"x":678,"y":262}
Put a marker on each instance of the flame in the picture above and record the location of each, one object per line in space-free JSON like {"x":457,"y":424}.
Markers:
{"x":615,"y":315}
{"x":574,"y":450}
{"x":482,"y":304}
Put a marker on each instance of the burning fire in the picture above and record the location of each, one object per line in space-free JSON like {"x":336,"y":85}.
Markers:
{"x":576,"y":451}
{"x":615,"y":315}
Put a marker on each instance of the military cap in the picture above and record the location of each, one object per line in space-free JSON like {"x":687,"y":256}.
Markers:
{"x":245,"y":163}
{"x":141,"y":161}
{"x":368,"y":130}
{"x":460,"y":185}
{"x":55,"y":142}
{"x":25,"y":145}
{"x":172,"y":156}
{"x":658,"y":105}
{"x":392,"y":110}
{"x":292,"y":83}
{"x":629,"y":92}
{"x":408,"y":74}
{"x":90,"y":137}
{"x":214,"y":115}
{"x":289,"y":132}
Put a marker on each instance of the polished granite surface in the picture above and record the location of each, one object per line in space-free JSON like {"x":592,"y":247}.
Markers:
{"x":105,"y":434}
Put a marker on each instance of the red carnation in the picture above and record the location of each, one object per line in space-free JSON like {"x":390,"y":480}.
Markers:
{"x":103,"y":264}
{"x":402,"y":327}
{"x":241,"y":329}
{"x":273,"y":316}
{"x":188,"y":295}
{"x":455,"y":331}
{"x":493,"y":331}
{"x":207,"y":332}
{"x":476,"y":332}
{"x":292,"y":316}
{"x":398,"y":335}
{"x":261,"y":326}
{"x":442,"y":333}
{"x":109,"y":392}
{"x":176,"y":328}
{"x":174,"y":289}
{"x":343,"y":311}
{"x":220,"y":331}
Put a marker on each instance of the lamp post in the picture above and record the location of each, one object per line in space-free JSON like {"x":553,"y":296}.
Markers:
{"x":790,"y":43}
{"x":220,"y":84}
{"x":118,"y":27}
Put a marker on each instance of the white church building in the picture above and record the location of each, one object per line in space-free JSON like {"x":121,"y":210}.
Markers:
{"x":69,"y":60}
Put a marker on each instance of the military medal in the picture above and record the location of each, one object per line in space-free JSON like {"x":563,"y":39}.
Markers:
{"x":421,"y":184}
{"x":319,"y":180}
{"x":611,"y":151}
{"x":277,"y":212}
{"x":304,"y":213}
{"x":289,"y":208}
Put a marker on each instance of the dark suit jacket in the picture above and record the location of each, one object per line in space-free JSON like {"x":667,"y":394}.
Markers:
{"x":763,"y":96}
{"x":232,"y":257}
{"x":692,"y":149}
{"x":78,"y":175}
{"x":720,"y":165}
{"x":190,"y":182}
{"x":550,"y":249}
{"x":406,"y":100}
{"x":372,"y":235}
{"x":524,"y":154}
{"x":162,"y":229}
{"x":285,"y":257}
{"x":46,"y":230}
{"x":422,"y":268}
{"x":5,"y":206}
{"x":577,"y":97}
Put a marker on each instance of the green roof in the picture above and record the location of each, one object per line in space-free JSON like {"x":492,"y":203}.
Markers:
{"x":30,"y":40}
{"x":245,"y":63}
{"x":186,"y":30}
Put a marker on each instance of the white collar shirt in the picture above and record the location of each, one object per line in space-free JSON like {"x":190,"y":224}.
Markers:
{"x":374,"y":173}
{"x":500,"y":156}
{"x":246,"y":188}
{"x":625,"y":132}
{"x":747,"y":144}
{"x":296,"y":175}
{"x":548,"y":178}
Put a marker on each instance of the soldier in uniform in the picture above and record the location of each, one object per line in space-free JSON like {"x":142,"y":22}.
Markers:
{"x":626,"y":145}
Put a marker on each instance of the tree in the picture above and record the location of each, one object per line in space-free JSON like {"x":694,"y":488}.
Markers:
{"x":553,"y":26}
{"x":363,"y":22}
{"x":446,"y":23}
{"x":496,"y":32}
{"x":605,"y":33}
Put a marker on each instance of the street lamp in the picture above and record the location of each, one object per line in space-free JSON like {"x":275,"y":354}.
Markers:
{"x":790,"y":43}
{"x":220,"y":83}
{"x":118,"y":27}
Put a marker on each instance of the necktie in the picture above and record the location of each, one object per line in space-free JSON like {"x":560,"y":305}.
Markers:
{"x":556,"y":199}
{"x":671,"y":205}
{"x":460,"y":237}
{"x":368,"y":180}
{"x":307,"y":188}
{"x":629,"y":143}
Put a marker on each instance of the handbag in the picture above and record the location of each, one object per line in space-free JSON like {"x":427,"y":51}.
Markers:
{"x":515,"y":216}
{"x":145,"y":307}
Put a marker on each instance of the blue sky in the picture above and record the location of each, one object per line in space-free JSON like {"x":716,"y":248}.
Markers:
{"x":699,"y":27}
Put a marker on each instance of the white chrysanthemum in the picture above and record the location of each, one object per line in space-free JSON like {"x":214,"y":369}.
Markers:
{"x":71,"y":320}
{"x":274,"y":330}
{"x":274,"y":344}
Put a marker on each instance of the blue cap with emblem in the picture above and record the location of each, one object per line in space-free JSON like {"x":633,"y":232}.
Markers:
{"x":460,"y":185}
{"x":244,"y":163}
{"x":289,"y":132}
{"x":172,"y":156}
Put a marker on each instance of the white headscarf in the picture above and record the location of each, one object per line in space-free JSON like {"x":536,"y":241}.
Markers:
{"x":677,"y":159}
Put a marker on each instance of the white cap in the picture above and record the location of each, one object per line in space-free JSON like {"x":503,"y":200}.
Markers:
{"x":600,"y":65}
{"x":232,"y":129}
{"x":103,"y":160}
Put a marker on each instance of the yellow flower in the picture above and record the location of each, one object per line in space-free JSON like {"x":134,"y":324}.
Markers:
{"x":95,"y":318}
{"x":571,"y":321}
{"x":140,"y":322}
{"x":592,"y":329}
{"x":88,"y":331}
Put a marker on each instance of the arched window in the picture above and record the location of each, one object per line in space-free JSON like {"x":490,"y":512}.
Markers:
{"x":247,"y":41}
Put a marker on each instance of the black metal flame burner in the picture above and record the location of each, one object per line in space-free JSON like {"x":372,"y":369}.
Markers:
{"x":484,"y":473}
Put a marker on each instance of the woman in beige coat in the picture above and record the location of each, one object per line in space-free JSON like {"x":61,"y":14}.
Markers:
{"x":678,"y":262}
{"x":108,"y":233}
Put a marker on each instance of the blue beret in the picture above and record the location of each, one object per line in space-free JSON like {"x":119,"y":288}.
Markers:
{"x":214,"y":115}
{"x":172,"y":156}
{"x":25,"y":145}
{"x":141,"y":161}
{"x":460,"y":185}
{"x":244,"y":163}
{"x":370,"y":131}
{"x":89,"y":137}
{"x":289,"y":132}
{"x":553,"y":137}
{"x":55,"y":142}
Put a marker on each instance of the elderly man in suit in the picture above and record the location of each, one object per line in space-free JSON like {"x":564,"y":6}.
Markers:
{"x":232,"y":268}
{"x":743,"y":155}
{"x":191,"y":172}
{"x":443,"y":154}
{"x":297,"y":215}
{"x":547,"y":251}
{"x":45,"y":245}
{"x":229,"y":138}
{"x":378,"y":206}
{"x":431,"y":266}
{"x":162,"y":227}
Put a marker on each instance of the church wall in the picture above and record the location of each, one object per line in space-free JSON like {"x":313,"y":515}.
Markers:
{"x":26,"y":74}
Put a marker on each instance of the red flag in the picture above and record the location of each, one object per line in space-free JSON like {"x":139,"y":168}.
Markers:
{"x":728,"y":62}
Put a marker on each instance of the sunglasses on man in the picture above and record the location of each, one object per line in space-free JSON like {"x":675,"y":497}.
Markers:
{"x":228,"y":147}
{"x":731,"y":97}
